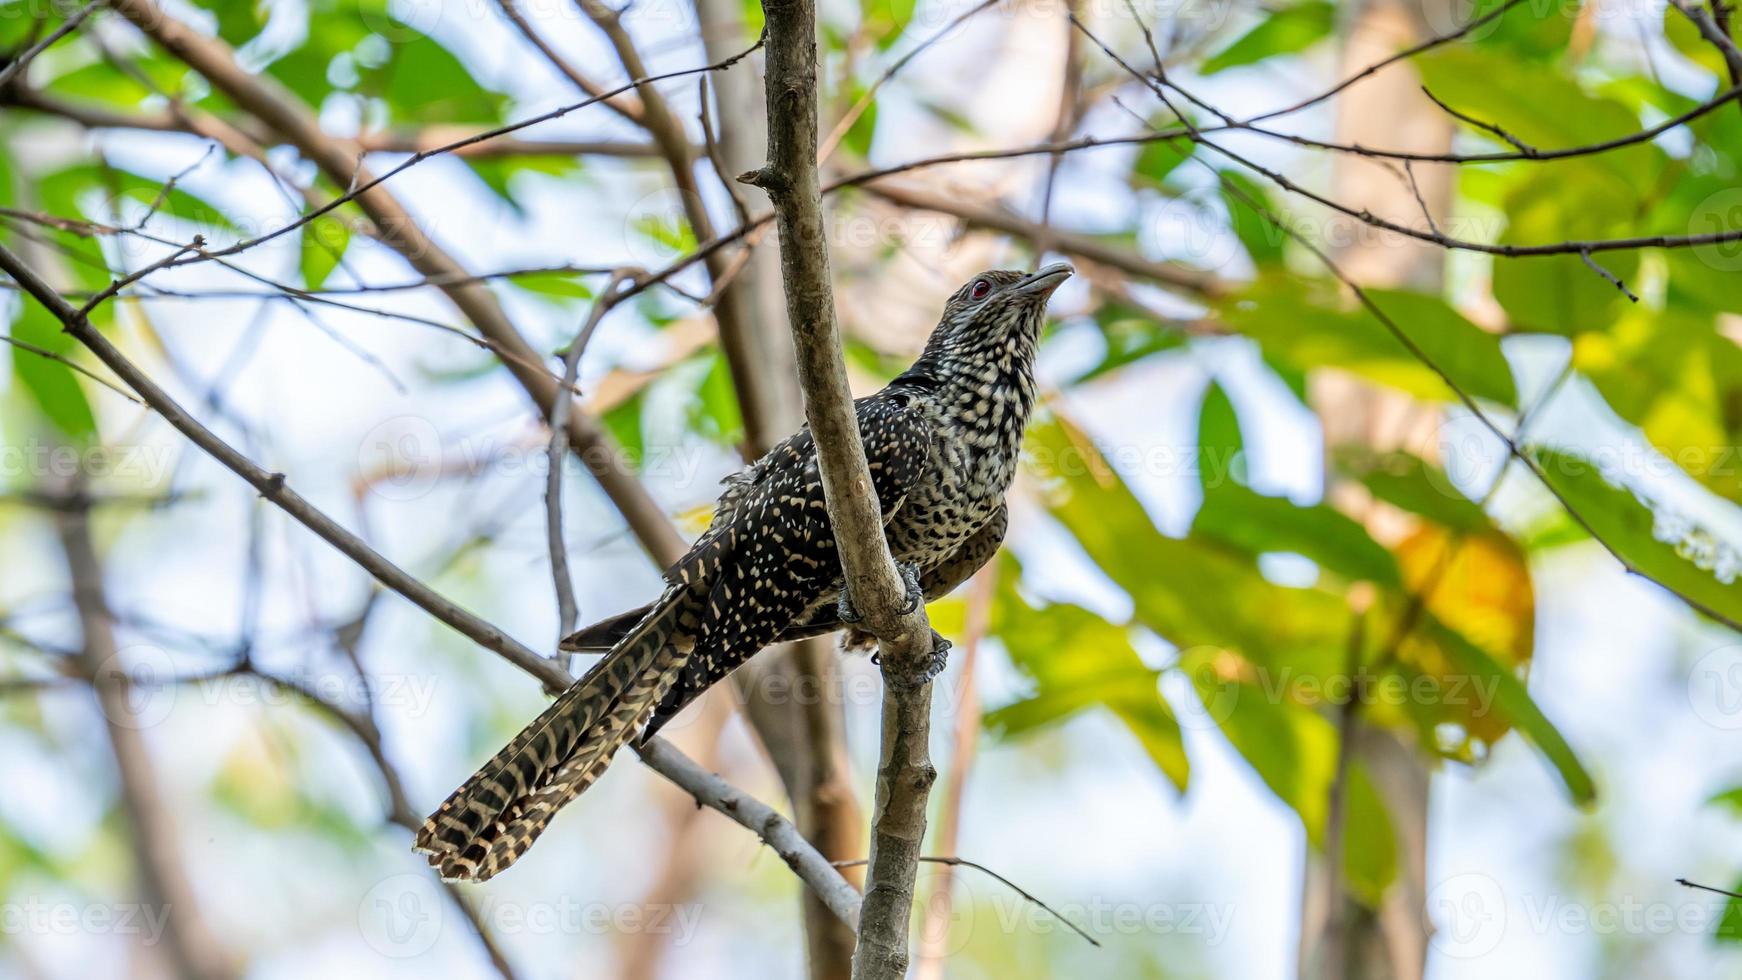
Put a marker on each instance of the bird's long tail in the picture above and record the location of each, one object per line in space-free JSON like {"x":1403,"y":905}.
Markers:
{"x":496,"y":815}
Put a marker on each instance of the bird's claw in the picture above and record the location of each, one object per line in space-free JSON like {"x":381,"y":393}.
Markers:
{"x":915,"y":593}
{"x":928,"y":669}
{"x":848,"y":613}
{"x":845,"y":609}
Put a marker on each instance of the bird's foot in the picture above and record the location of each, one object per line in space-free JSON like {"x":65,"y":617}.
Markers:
{"x":849,"y":613}
{"x":928,"y":669}
{"x":915,"y":593}
{"x":845,"y":610}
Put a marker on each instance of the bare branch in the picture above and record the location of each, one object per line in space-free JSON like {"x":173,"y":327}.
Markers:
{"x":1713,"y":25}
{"x":567,"y":613}
{"x":624,"y":105}
{"x":276,"y":107}
{"x":16,"y":67}
{"x":273,"y":487}
{"x":907,"y":641}
{"x":1522,"y":147}
{"x":956,"y":862}
{"x":73,"y":365}
{"x":1610,"y":276}
{"x":189,"y":941}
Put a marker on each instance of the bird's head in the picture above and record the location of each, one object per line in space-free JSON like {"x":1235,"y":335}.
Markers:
{"x":997,"y":310}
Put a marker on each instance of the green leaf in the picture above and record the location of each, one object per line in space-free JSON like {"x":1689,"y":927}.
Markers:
{"x":1730,"y":799}
{"x":623,"y":421}
{"x":1293,"y":749}
{"x":1512,"y":700}
{"x":1560,"y":293}
{"x":1529,"y":31}
{"x":1369,"y":844}
{"x":1078,"y":660}
{"x":1261,"y":237}
{"x":1676,"y":377}
{"x":238,"y":20}
{"x":423,"y":82}
{"x":1544,"y":107}
{"x":1468,"y":354}
{"x":502,"y":173}
{"x":1130,"y":335}
{"x":1666,"y":547}
{"x":1221,"y":452}
{"x":51,"y":385}
{"x":1192,"y":591}
{"x":859,"y":135}
{"x":564,"y":288}
{"x":1729,"y":929}
{"x":1287,"y":31}
{"x":1315,"y":329}
{"x":1159,"y":158}
{"x":78,"y":186}
{"x":1681,"y":32}
{"x":884,"y":20}
{"x":715,"y":412}
{"x":1258,"y":524}
{"x":324,"y":241}
{"x":1409,"y":483}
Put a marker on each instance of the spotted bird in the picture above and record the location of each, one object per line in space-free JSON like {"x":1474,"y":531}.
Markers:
{"x":942,"y":441}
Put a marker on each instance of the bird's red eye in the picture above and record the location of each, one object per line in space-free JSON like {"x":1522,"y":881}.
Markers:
{"x":981,"y":288}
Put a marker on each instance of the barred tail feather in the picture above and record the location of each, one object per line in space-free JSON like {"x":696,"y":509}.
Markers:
{"x":486,"y":824}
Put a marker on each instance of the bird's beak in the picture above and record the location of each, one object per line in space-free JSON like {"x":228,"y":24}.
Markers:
{"x":1043,"y":281}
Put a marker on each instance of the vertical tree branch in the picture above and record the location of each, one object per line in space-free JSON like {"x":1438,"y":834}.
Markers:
{"x":905,"y":773}
{"x":940,"y":908}
{"x":163,"y":884}
{"x":805,"y":731}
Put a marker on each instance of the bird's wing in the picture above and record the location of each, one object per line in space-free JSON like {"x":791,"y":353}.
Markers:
{"x":936,"y":582}
{"x":778,"y":500}
{"x":770,"y":553}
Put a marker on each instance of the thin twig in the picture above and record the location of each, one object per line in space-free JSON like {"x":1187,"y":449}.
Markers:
{"x":29,"y":54}
{"x":1522,"y":147}
{"x":956,"y":862}
{"x":51,"y":355}
{"x":1606,"y":274}
{"x":567,"y":612}
{"x":1708,"y":888}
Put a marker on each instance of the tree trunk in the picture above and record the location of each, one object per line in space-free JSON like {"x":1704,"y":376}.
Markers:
{"x":1340,"y":936}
